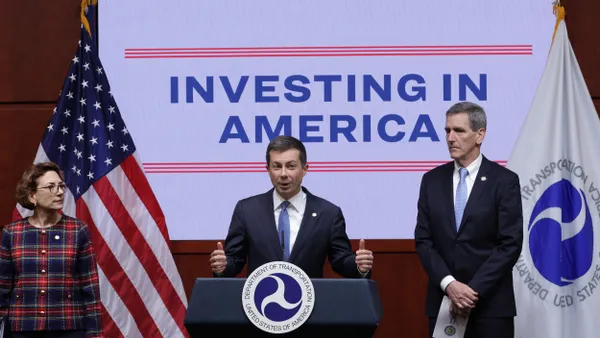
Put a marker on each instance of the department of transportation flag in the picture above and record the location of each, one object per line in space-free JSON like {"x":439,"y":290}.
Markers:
{"x":141,"y":290}
{"x":557,"y":276}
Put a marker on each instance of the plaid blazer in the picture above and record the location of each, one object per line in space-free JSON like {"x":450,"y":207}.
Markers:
{"x":49,"y":278}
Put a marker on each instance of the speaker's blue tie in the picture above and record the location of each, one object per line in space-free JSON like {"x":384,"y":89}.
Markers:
{"x":284,"y":230}
{"x":461,"y":196}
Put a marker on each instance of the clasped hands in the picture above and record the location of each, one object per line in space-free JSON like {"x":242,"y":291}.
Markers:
{"x":463,"y":298}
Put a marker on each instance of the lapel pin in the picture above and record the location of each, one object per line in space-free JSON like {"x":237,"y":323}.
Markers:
{"x":483,"y":178}
{"x":314,"y":214}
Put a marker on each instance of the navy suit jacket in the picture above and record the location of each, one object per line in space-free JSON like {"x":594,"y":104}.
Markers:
{"x":487,"y":244}
{"x":253,"y":236}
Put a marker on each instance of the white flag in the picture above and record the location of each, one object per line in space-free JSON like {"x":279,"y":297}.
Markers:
{"x":558,"y":274}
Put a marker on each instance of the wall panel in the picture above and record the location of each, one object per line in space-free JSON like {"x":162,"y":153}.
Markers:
{"x":21,"y":130}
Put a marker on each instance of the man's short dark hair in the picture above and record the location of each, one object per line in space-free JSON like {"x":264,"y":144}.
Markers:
{"x":283,"y":143}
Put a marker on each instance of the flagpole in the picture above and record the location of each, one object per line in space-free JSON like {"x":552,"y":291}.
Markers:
{"x":84,"y":20}
{"x":559,"y":11}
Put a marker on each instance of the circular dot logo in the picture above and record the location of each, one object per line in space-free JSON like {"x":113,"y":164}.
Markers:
{"x":278,"y":297}
{"x":561,"y":234}
{"x":450,"y":330}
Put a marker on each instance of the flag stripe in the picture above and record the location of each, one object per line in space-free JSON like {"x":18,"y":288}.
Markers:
{"x":16,"y":214}
{"x":140,"y":184}
{"x":130,"y":264}
{"x":123,"y":321}
{"x":69,"y":207}
{"x":117,"y":276}
{"x":140,"y":248}
{"x":147,"y":228}
{"x":110,"y":328}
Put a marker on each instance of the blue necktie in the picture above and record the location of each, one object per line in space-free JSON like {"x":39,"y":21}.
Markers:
{"x":284,"y":230}
{"x":461,"y":196}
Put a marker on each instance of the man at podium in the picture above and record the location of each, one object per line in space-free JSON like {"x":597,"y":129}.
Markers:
{"x":289,"y":223}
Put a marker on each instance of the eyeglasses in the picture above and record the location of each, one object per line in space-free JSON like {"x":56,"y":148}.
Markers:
{"x":53,"y":188}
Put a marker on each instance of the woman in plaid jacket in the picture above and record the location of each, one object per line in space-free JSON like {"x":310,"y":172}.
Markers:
{"x":48,"y":274}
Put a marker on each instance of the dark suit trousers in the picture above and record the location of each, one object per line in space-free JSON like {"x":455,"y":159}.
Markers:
{"x":484,"y":327}
{"x":46,"y":334}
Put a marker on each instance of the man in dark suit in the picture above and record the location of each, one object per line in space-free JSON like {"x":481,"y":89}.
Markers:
{"x":470,"y":230}
{"x":289,"y":223}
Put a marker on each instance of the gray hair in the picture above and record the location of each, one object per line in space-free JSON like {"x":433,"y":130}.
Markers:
{"x":477,"y":118}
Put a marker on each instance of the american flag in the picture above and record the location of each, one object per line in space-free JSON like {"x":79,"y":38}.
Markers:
{"x":141,"y":290}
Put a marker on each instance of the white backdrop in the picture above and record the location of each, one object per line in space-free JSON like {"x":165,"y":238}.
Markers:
{"x":153,"y":50}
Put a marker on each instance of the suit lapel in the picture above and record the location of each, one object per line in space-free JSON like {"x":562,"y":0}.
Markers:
{"x":448,"y":194}
{"x":312,"y":213}
{"x":270,"y":227}
{"x":478,"y":188}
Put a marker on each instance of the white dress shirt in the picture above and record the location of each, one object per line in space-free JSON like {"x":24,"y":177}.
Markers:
{"x":472,"y":170}
{"x":295,"y":211}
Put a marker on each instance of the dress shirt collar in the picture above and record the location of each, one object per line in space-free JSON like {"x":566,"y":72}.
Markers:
{"x":296,"y":202}
{"x":471,"y":168}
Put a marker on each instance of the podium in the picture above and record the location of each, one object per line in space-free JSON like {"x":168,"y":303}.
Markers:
{"x":343,"y":308}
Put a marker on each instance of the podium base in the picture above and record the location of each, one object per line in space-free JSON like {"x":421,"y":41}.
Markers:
{"x":302,"y":332}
